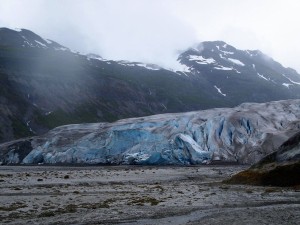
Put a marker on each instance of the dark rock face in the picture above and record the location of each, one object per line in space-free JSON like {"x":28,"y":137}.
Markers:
{"x":44,"y":85}
{"x":281,"y":168}
{"x":15,"y":151}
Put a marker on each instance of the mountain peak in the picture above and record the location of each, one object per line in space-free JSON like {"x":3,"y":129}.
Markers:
{"x":211,"y":58}
{"x":23,"y":38}
{"x":216,"y":45}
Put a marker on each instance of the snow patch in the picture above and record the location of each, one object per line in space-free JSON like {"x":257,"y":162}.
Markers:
{"x":40,"y":43}
{"x":201,"y":60}
{"x":48,"y":113}
{"x":236,"y":61}
{"x":28,"y":125}
{"x":181,"y":72}
{"x":148,"y":66}
{"x":181,"y":67}
{"x":195,"y":50}
{"x":237,"y":71}
{"x":26,"y":41}
{"x":220,"y":67}
{"x":226,"y":52}
{"x":294,"y":82}
{"x":219,"y":90}
{"x":249,"y":53}
{"x":286,"y":85}
{"x":94,"y":56}
{"x":222,"y":57}
{"x":263,"y":77}
{"x":126,"y":63}
{"x":48,"y":41}
{"x":61,"y":49}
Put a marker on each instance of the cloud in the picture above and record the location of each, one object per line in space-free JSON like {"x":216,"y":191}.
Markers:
{"x":154,"y":31}
{"x":132,"y":30}
{"x":269,"y":25}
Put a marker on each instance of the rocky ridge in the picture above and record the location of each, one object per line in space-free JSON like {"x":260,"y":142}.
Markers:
{"x":280,"y":168}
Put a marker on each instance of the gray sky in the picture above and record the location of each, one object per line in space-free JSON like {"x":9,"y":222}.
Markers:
{"x":154,"y":31}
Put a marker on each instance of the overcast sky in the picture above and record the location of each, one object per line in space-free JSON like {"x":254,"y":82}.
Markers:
{"x":154,"y":31}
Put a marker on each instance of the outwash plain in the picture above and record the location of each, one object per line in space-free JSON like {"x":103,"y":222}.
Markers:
{"x":140,"y":195}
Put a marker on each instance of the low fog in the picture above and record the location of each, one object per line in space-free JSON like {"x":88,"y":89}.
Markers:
{"x":155,"y":31}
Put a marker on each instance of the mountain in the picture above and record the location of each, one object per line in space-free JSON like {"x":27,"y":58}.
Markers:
{"x":44,"y":84}
{"x":225,"y":68}
{"x":244,"y":134}
{"x":280,"y":168}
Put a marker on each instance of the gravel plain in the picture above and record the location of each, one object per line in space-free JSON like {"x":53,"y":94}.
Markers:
{"x":140,"y":195}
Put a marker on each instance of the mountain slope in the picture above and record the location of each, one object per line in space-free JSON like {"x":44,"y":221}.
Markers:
{"x":243,"y":134}
{"x":44,"y":84}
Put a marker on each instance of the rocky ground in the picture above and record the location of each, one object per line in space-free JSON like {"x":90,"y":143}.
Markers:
{"x":140,"y":195}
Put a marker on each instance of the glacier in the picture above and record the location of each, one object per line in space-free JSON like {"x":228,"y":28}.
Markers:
{"x":244,"y":134}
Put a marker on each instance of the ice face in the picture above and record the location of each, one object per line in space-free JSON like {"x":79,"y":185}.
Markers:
{"x":243,"y":134}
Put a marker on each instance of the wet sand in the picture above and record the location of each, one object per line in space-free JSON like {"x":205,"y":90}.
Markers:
{"x":140,"y":195}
